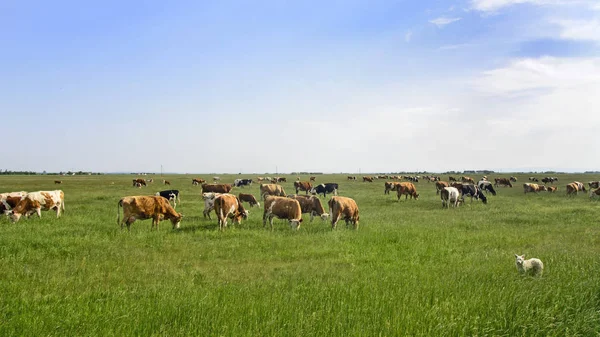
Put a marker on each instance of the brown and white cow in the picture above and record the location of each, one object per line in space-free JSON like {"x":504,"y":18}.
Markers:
{"x":351,"y":177}
{"x":139,"y":182}
{"x":531,"y":187}
{"x":572,"y":188}
{"x":580,"y":186}
{"x":343,"y":208}
{"x":502,"y":182}
{"x":197,"y":181}
{"x":249,"y":198}
{"x":10,"y":200}
{"x":313,"y":178}
{"x":465,"y":179}
{"x":302,"y":186}
{"x":216,"y":188}
{"x":311,"y":205}
{"x":406,"y":189}
{"x":58,"y":182}
{"x":594,"y":192}
{"x":229,"y":206}
{"x":367,"y":179}
{"x":594,"y":184}
{"x":271,"y":189}
{"x":282,"y":208}
{"x":552,"y":189}
{"x":281,"y":179}
{"x":209,"y":203}
{"x":147,"y":207}
{"x":390,"y":186}
{"x":35,"y":202}
{"x":166,"y":182}
{"x":439,"y":185}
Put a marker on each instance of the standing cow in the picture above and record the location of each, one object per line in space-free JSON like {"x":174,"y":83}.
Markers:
{"x":146,"y":207}
{"x":229,"y":206}
{"x":35,"y":202}
{"x":282,"y":208}
{"x":343,"y":208}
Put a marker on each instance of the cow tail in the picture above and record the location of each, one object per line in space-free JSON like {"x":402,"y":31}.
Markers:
{"x":119,"y":205}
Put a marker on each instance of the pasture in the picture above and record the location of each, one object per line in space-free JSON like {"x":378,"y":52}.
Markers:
{"x":412,"y":268}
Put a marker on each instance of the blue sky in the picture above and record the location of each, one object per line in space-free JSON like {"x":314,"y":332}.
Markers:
{"x":331,"y":86}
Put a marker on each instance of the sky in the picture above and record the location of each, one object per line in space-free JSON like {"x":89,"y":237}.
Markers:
{"x":289,"y":86}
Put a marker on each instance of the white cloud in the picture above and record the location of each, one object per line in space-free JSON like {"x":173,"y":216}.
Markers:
{"x":586,"y":30}
{"x":454,"y":46}
{"x":408,"y":36}
{"x":442,"y":21}
{"x":494,"y":5}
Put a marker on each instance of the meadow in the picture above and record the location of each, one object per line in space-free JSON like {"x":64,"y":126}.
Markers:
{"x":411,"y":269}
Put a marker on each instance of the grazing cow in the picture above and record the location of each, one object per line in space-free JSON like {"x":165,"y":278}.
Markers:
{"x":10,"y":200}
{"x":271,"y":189}
{"x":139,"y":181}
{"x":502,"y":182}
{"x":351,"y":177}
{"x":209,"y":203}
{"x":552,"y":189}
{"x":197,"y":181}
{"x":147,"y":207}
{"x":170,"y":195}
{"x":594,"y":184}
{"x":302,"y":186}
{"x":450,"y":178}
{"x":530,"y":187}
{"x":281,"y":179}
{"x":242,"y":182}
{"x":138,"y":185}
{"x":390,"y":186}
{"x":486,"y":186}
{"x":313,"y":178}
{"x":580,"y":186}
{"x":149,"y":181}
{"x":465,"y":180}
{"x":229,"y":206}
{"x":439,"y":185}
{"x":534,"y":179}
{"x":166,"y":182}
{"x":249,"y":198}
{"x":58,"y":182}
{"x":546,"y":180}
{"x":594,"y":192}
{"x":35,"y":202}
{"x":406,"y":189}
{"x":572,"y":188}
{"x":514,"y":179}
{"x":470,"y":190}
{"x":343,"y":208}
{"x":282,"y":208}
{"x":367,"y":179}
{"x":311,"y":205}
{"x":216,"y":179}
{"x":217,"y":188}
{"x":324,"y":189}
{"x":450,"y":195}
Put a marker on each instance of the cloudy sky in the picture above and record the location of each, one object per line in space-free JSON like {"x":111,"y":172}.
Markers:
{"x":329,"y":86}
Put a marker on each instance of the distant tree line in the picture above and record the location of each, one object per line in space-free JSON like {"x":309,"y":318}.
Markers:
{"x":32,"y":173}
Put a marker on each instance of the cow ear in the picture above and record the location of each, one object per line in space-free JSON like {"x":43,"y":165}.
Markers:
{"x":300,"y":220}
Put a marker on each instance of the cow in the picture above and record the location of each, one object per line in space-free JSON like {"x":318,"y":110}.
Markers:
{"x":406,"y":189}
{"x":486,"y":186}
{"x":281,"y":179}
{"x":390,"y":186}
{"x":166,"y":182}
{"x":502,"y":182}
{"x":147,"y":207}
{"x":552,"y":189}
{"x":343,"y":208}
{"x":10,"y":200}
{"x":216,"y":179}
{"x":594,"y":184}
{"x":242,"y":182}
{"x":546,"y":180}
{"x":580,"y":186}
{"x":35,"y":202}
{"x":138,"y":185}
{"x":470,"y":190}
{"x":594,"y":192}
{"x":139,"y":181}
{"x":439,"y":185}
{"x":170,"y":195}
{"x":197,"y":181}
{"x":249,"y":198}
{"x":351,"y":177}
{"x":572,"y":188}
{"x":209,"y":203}
{"x":282,"y":208}
{"x":451,"y":178}
{"x":313,"y":178}
{"x":271,"y":189}
{"x":534,"y":179}
{"x":217,"y":188}
{"x":367,"y":179}
{"x":311,"y":205}
{"x":324,"y":189}
{"x":58,"y":182}
{"x":514,"y":179}
{"x":302,"y":186}
{"x":450,"y":195}
{"x":465,"y":180}
{"x":530,"y":187}
{"x":229,"y":206}
{"x":149,"y":181}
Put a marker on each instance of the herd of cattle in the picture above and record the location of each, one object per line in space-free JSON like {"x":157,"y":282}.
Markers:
{"x":217,"y":197}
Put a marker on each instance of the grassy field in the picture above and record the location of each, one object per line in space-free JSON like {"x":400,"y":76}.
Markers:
{"x":412,"y":268}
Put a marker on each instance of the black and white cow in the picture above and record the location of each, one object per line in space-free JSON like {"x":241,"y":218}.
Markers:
{"x":325,"y":188}
{"x":468,"y":190}
{"x":486,"y":186}
{"x":242,"y":182}
{"x":170,"y":195}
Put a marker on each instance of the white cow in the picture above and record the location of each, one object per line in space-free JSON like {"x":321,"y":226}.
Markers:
{"x":209,"y":203}
{"x":450,"y":195}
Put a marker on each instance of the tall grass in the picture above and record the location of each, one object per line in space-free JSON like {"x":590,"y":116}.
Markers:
{"x":412,"y":268}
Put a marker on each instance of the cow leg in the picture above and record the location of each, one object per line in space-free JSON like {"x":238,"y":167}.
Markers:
{"x":271,"y":221}
{"x":39,"y":212}
{"x":155,"y":220}
{"x":312,"y":215}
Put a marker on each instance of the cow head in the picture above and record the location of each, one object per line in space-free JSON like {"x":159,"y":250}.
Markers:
{"x":14,"y":217}
{"x":324,"y":216}
{"x":481,"y":196}
{"x":176,"y":220}
{"x":295,"y":224}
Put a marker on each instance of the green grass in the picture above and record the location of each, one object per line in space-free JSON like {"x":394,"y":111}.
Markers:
{"x":412,"y":268}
